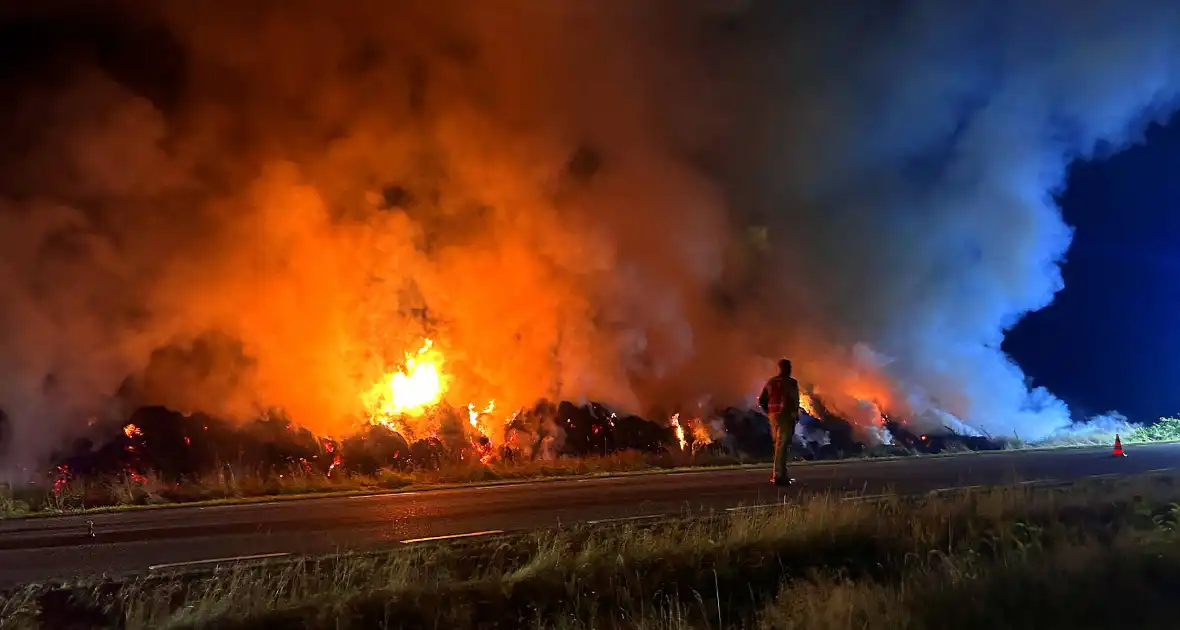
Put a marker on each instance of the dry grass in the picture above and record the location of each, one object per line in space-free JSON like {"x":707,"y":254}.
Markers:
{"x":232,"y":484}
{"x":1011,"y":557}
{"x":235,"y":484}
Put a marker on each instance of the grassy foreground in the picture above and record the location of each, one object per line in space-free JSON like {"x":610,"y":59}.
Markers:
{"x":1103,"y":554}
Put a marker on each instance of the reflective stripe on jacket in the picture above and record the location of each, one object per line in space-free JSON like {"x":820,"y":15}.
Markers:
{"x":774,"y":399}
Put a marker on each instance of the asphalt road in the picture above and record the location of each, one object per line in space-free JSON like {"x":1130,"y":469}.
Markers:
{"x":38,"y":549}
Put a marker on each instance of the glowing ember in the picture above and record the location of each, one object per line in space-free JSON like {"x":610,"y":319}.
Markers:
{"x":482,"y":444}
{"x":131,"y":430}
{"x":61,"y":479}
{"x":679,"y":430}
{"x":483,"y":447}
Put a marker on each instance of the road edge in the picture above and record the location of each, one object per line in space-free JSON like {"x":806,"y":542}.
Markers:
{"x":435,"y":487}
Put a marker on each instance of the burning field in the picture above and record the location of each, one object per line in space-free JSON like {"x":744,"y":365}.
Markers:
{"x":411,"y":428}
{"x":341,"y":238}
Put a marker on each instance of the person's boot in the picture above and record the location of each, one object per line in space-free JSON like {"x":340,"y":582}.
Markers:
{"x":781,"y":481}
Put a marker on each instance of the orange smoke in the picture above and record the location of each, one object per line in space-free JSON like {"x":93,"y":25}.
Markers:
{"x":497,"y":199}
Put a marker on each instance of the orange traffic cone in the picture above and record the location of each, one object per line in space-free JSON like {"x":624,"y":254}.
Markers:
{"x":1118,"y":447}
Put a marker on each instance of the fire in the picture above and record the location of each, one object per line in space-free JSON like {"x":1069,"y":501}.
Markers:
{"x":410,"y":391}
{"x":679,"y":430}
{"x":807,"y":404}
{"x":482,"y":444}
{"x":61,"y":480}
{"x":131,"y":430}
{"x":700,"y":434}
{"x":476,"y":415}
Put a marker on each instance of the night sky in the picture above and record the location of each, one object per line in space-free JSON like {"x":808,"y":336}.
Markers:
{"x":1110,"y":339}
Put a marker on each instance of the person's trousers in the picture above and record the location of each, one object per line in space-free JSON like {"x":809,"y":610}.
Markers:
{"x":782,"y":428}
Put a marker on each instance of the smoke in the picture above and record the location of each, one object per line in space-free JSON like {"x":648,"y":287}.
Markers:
{"x":228,"y":207}
{"x":910,"y":170}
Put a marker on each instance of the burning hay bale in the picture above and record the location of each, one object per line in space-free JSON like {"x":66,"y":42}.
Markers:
{"x":747,"y":432}
{"x":595,"y":430}
{"x":371,"y":450}
{"x":174,"y":447}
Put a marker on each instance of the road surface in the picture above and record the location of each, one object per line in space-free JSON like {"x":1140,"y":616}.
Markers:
{"x":133,"y":541}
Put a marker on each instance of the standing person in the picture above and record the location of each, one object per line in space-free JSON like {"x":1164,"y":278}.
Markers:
{"x":780,"y":401}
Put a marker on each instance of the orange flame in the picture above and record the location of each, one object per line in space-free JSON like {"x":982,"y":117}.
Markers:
{"x":679,"y":430}
{"x":700,"y":434}
{"x":476,"y":415}
{"x":410,"y":391}
{"x":807,"y":404}
{"x":131,"y":430}
{"x":401,"y":400}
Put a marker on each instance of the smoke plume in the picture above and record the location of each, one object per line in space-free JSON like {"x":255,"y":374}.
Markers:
{"x":232,"y":206}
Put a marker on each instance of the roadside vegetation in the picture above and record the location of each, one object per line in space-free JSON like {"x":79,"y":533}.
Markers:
{"x":1102,"y":432}
{"x":242,"y":483}
{"x":1164,"y":430}
{"x":1098,"y":554}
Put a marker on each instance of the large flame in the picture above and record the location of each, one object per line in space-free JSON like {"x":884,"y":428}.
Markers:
{"x":408,"y":392}
{"x":679,"y":430}
{"x":402,"y":399}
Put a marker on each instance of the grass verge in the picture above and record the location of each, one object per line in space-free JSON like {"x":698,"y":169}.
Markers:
{"x":232,"y":485}
{"x":1102,"y":553}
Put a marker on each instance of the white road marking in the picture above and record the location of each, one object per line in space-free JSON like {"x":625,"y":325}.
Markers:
{"x":382,"y":495}
{"x":237,"y":505}
{"x":764,"y":506}
{"x":450,"y":536}
{"x":156,"y":567}
{"x":1159,"y":470}
{"x":956,"y":489}
{"x":645,"y":517}
{"x":871,"y":497}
